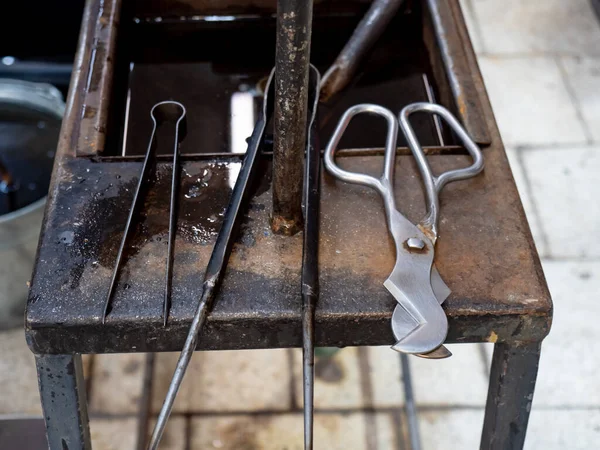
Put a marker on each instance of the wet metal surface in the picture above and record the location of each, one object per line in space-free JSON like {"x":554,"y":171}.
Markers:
{"x":486,"y":255}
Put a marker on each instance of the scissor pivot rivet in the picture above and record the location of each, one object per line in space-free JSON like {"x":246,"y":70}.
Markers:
{"x":415,"y":243}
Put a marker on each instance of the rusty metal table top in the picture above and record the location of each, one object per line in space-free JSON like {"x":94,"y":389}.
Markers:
{"x":485,"y":252}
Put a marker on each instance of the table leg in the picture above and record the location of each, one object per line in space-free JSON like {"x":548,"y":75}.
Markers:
{"x":512,"y":382}
{"x":62,"y":391}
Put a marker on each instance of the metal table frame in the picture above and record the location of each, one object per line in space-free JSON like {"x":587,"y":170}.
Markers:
{"x":481,"y":311}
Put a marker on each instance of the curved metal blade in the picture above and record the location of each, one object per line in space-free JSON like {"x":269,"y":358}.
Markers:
{"x":403,"y":323}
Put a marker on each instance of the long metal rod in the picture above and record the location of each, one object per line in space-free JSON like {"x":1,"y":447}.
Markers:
{"x":409,"y":405}
{"x":180,"y":131}
{"x":370,"y":28}
{"x":218,"y":261}
{"x":146,"y":401}
{"x":310,"y":257}
{"x":292,"y":58}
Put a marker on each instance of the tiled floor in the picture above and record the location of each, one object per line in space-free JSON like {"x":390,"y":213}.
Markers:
{"x":542,"y":56}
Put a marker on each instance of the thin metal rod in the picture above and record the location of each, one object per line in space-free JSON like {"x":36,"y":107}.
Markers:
{"x":292,"y":58}
{"x":217,"y":263}
{"x":310,"y":259}
{"x":179,"y":130}
{"x":162,"y":112}
{"x":431,"y":99}
{"x":409,"y":405}
{"x":146,"y":401}
{"x":373,"y":24}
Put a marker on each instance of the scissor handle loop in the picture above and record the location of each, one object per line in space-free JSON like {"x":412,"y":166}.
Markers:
{"x":434,"y":184}
{"x":383,"y":184}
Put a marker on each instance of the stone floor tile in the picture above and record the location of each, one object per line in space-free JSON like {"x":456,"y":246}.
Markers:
{"x":565,"y":187}
{"x":533,"y":26}
{"x":117,"y":383}
{"x":514,"y":157}
{"x":87,"y":362}
{"x":385,"y":377}
{"x":568,"y":372}
{"x":548,"y":429}
{"x":472,"y":25}
{"x":458,"y":380}
{"x":583,"y":77}
{"x":388,"y":432}
{"x":450,"y":429}
{"x":113,"y":434}
{"x":563,"y":429}
{"x":488,"y":352}
{"x":243,"y":380}
{"x":175,"y":437}
{"x":285,"y":431}
{"x":18,"y":377}
{"x":337,"y":379}
{"x":530,"y":100}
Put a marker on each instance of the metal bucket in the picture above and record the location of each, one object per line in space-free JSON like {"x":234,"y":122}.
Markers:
{"x":30,"y":115}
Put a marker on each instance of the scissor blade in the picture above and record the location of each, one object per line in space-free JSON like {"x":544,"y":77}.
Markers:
{"x":440,"y":289}
{"x":403,"y":323}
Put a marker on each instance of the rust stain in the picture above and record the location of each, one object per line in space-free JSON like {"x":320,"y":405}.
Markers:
{"x":89,"y":112}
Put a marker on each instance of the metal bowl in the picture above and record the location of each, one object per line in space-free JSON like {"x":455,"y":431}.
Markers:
{"x":30,"y":117}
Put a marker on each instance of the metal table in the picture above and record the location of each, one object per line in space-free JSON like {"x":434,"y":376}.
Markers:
{"x":486,"y":253}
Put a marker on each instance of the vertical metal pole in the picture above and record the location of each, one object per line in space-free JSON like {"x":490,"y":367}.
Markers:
{"x":62,"y":391}
{"x":292,"y":58}
{"x":146,"y":402}
{"x":409,"y":404}
{"x":510,"y":394}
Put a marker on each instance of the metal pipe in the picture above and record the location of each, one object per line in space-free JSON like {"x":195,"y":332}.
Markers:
{"x":146,"y":402}
{"x":409,"y":405}
{"x":364,"y":36}
{"x":292,"y":58}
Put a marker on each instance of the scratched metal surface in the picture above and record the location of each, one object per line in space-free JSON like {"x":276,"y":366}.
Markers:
{"x":485,"y":254}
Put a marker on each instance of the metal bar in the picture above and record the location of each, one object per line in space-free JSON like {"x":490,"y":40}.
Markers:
{"x":97,"y":92}
{"x":370,"y":28}
{"x":432,"y":150}
{"x":292,"y":58}
{"x":62,"y":391}
{"x":510,"y":394}
{"x":409,"y":404}
{"x":146,"y":401}
{"x":453,"y":50}
{"x":436,"y":119}
{"x":310,"y":257}
{"x":218,"y":261}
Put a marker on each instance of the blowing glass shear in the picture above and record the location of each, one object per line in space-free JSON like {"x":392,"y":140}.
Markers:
{"x":419,"y":323}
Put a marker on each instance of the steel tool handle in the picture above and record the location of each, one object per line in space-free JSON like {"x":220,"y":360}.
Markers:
{"x":384,"y":184}
{"x":434,"y":184}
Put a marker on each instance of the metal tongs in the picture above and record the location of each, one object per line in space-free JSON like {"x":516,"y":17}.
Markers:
{"x":220,"y":255}
{"x":419,"y":323}
{"x":161,"y":113}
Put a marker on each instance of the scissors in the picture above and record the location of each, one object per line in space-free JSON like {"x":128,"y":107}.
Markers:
{"x":419,"y":323}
